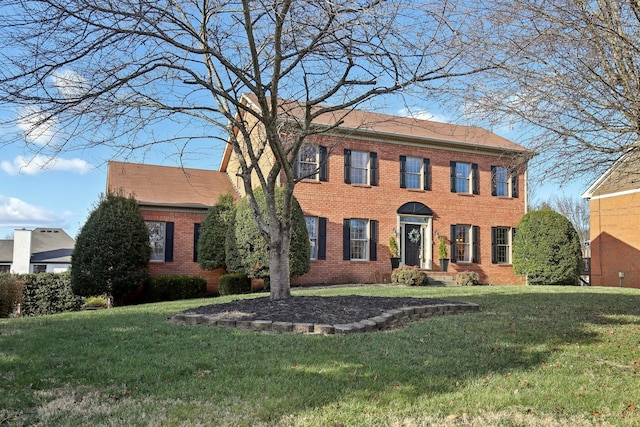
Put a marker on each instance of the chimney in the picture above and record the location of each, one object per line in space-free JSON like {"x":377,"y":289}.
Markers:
{"x":21,"y":251}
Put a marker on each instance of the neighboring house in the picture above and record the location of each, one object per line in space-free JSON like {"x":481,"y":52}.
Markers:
{"x":43,"y":250}
{"x":377,"y":176}
{"x":614,"y":204}
{"x":173,"y":202}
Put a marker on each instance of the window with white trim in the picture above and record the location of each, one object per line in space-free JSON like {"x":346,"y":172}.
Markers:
{"x":160,"y":240}
{"x":312,"y":230}
{"x":360,"y":239}
{"x":501,"y":244}
{"x":360,"y":167}
{"x":465,"y":243}
{"x":465,"y":178}
{"x":504,"y":182}
{"x":310,"y":162}
{"x":415,"y":173}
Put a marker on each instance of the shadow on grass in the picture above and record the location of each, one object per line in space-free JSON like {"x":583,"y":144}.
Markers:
{"x":138,"y":351}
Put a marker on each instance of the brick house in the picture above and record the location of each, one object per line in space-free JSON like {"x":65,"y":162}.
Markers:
{"x":173,"y":202}
{"x":614,"y":203}
{"x":377,"y":176}
{"x":42,"y":250}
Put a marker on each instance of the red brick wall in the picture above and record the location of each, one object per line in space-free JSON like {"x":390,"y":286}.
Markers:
{"x":182,"y":246}
{"x":615,"y":240}
{"x":336,"y":200}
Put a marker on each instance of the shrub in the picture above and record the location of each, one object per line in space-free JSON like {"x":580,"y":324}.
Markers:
{"x":48,"y":293}
{"x":100,"y":302}
{"x":467,"y":278}
{"x":10,"y":293}
{"x":234,"y":283}
{"x":409,"y":276}
{"x":112,"y":250}
{"x":247,"y":250}
{"x":213,"y":232}
{"x":546,"y":249}
{"x":174,"y":287}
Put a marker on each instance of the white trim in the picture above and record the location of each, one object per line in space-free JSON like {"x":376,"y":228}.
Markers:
{"x":619,"y":193}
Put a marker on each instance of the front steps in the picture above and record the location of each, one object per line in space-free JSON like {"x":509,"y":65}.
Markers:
{"x":438,"y":278}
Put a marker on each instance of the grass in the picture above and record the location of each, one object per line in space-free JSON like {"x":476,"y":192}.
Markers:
{"x":535,"y":356}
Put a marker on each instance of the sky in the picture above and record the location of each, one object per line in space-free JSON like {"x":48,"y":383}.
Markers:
{"x":61,"y":192}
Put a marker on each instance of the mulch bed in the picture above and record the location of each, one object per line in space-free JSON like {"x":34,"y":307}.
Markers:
{"x":311,"y":309}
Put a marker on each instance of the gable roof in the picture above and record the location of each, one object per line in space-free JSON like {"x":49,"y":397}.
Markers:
{"x":622,"y":177}
{"x":154,"y":185}
{"x":403,"y":129}
{"x":48,"y":245}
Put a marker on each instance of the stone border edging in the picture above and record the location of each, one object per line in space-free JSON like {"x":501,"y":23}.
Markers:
{"x":386,"y":320}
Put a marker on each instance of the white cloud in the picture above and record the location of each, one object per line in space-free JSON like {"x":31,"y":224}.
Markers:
{"x":38,"y":164}
{"x":37,"y":127}
{"x":423,"y":115}
{"x":17,"y":213}
{"x":70,"y":84}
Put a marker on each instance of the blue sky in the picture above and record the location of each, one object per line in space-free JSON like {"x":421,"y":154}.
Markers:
{"x":62,"y":192}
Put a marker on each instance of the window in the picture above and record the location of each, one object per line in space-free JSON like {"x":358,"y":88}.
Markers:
{"x":504,"y":183}
{"x":317,"y":229}
{"x":360,"y":239}
{"x":465,"y":178}
{"x":465,"y":243}
{"x":5,"y":268}
{"x":415,"y":173}
{"x":311,"y":163}
{"x":39,"y":268}
{"x":360,"y":167}
{"x":501,"y":241}
{"x":160,"y":240}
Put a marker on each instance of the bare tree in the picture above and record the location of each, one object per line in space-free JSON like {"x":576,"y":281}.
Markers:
{"x":83,"y":73}
{"x":569,"y":72}
{"x":576,"y":210}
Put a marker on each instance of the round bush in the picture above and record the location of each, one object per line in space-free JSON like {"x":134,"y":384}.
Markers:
{"x":409,"y":276}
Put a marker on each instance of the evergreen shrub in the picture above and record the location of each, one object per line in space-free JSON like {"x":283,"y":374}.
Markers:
{"x":48,"y":293}
{"x":409,"y":276}
{"x":213,"y":232}
{"x":174,"y":287}
{"x":234,"y":284}
{"x":10,"y":293}
{"x":467,"y":278}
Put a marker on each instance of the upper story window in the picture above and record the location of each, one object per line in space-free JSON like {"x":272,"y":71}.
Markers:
{"x":415,"y":172}
{"x":465,"y":178}
{"x":465,"y":243}
{"x":360,"y":167}
{"x":501,"y":244}
{"x":160,"y":240}
{"x":360,"y":239}
{"x":504,"y":182}
{"x":311,"y":163}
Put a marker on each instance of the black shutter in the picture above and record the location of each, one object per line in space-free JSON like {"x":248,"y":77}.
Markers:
{"x":373,"y":240}
{"x":373,"y":168}
{"x":453,"y":176}
{"x":453,"y":243}
{"x":514,"y":183}
{"x":426,"y":166}
{"x":494,"y":181}
{"x":347,"y":166}
{"x":346,"y":239}
{"x":475,"y":176}
{"x":403,"y":169}
{"x":168,"y":242}
{"x":196,"y":236}
{"x":324,"y":170}
{"x":322,"y":238}
{"x":475,"y":254}
{"x":494,"y":246}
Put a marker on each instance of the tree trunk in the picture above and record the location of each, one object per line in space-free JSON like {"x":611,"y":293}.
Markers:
{"x":279,"y":277}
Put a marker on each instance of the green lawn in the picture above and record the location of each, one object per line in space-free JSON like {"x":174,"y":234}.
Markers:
{"x":534,"y":356}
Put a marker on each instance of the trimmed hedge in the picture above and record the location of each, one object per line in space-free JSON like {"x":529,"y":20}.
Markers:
{"x":48,"y":293}
{"x":10,"y":293}
{"x":234,"y":283}
{"x":174,"y":287}
{"x":409,"y":276}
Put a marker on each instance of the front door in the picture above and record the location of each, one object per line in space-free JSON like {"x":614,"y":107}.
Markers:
{"x":412,"y":244}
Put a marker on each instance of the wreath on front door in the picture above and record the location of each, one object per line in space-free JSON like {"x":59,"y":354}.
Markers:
{"x":414,"y":236}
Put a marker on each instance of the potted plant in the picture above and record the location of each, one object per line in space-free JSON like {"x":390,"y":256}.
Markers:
{"x":393,"y":251}
{"x":443,"y":255}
